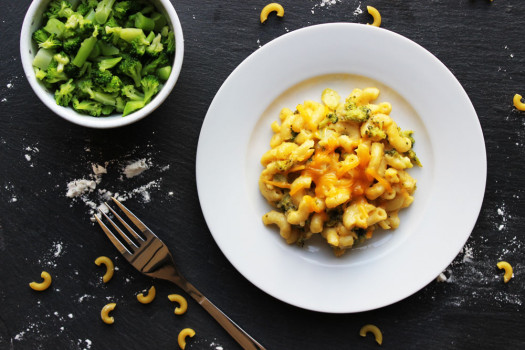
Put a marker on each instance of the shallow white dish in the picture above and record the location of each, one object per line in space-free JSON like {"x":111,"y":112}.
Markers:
{"x":425,"y":97}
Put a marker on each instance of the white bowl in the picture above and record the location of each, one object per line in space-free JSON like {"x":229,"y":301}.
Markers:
{"x":28,"y":49}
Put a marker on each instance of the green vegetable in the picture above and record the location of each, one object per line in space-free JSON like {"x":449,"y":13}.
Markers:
{"x":103,"y":56}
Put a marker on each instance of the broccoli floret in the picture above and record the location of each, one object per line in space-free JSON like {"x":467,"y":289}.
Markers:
{"x":100,"y":78}
{"x":40,"y":36}
{"x":169,"y":43}
{"x":413,"y":158}
{"x":73,"y":22}
{"x":103,"y":10}
{"x":352,"y":112}
{"x":375,"y":132}
{"x":61,"y":59}
{"x":71,"y":45}
{"x":115,"y":85}
{"x":128,"y":34}
{"x":53,"y":75}
{"x":50,"y":43}
{"x":64,"y":94}
{"x":124,"y":9}
{"x":408,"y":134}
{"x":86,"y":87}
{"x":107,"y":109}
{"x":133,"y":94}
{"x":87,"y":107}
{"x":112,"y":22}
{"x":331,"y":118}
{"x":164,"y":73}
{"x":156,"y":47}
{"x":120,"y":104}
{"x":286,"y":203}
{"x":40,"y":74}
{"x":65,"y":10}
{"x":150,"y":86}
{"x":161,"y":61}
{"x":83,"y":8}
{"x":131,"y":67}
{"x":137,"y":47}
{"x":53,"y":8}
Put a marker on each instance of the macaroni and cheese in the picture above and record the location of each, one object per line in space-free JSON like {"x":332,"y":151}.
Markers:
{"x":338,"y":169}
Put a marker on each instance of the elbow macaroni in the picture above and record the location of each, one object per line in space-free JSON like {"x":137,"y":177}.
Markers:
{"x":375,"y":14}
{"x":374,"y":330}
{"x":110,"y":268}
{"x":104,"y":313}
{"x":337,"y":169}
{"x":508,"y":270}
{"x":186,"y":332}
{"x":42,"y":285}
{"x":273,"y":7}
{"x":148,"y":298}
{"x":517,"y":103}
{"x":183,"y":304}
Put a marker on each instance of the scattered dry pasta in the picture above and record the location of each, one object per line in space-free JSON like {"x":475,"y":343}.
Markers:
{"x":338,"y":169}
{"x":104,"y":313}
{"x":273,"y":7}
{"x":110,"y":268}
{"x":517,"y":102}
{"x":42,"y":285}
{"x":149,"y":298}
{"x":183,"y":304}
{"x":375,"y":14}
{"x":186,"y":332}
{"x":374,"y":330}
{"x":503,"y":265}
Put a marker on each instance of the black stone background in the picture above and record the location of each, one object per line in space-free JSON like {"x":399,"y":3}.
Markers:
{"x":480,"y":41}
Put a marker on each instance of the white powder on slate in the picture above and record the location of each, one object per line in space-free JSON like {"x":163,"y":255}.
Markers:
{"x":358,"y":10}
{"x":136,"y":168}
{"x":28,"y":157}
{"x":76,"y":188}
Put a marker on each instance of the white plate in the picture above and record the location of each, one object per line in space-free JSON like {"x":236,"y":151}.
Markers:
{"x":425,"y":96}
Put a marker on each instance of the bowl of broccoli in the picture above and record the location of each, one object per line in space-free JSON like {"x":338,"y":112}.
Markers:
{"x":102,"y":63}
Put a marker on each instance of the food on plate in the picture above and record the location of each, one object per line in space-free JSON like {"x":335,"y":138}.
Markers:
{"x":375,"y":14}
{"x":338,"y":169}
{"x":273,"y":7}
{"x":517,"y":102}
{"x":110,"y":268}
{"x":503,"y":265}
{"x":374,"y":330}
{"x":42,"y":285}
{"x":148,"y":298}
{"x":103,"y":57}
{"x":104,"y":313}
{"x":186,"y":332}
{"x":183,"y":304}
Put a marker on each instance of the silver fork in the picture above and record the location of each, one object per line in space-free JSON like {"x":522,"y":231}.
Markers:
{"x":151,"y":257}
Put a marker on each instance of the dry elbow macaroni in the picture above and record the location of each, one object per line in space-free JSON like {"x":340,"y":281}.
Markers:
{"x":273,"y":7}
{"x":186,"y":332}
{"x":517,"y":103}
{"x":42,"y":285}
{"x":183,"y":304}
{"x":149,"y":298}
{"x":374,"y":330}
{"x":338,"y":169}
{"x":104,"y":313}
{"x":110,"y":268}
{"x":508,"y":270}
{"x":375,"y":14}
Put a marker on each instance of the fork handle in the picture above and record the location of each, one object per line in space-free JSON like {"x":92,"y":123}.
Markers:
{"x":243,"y":338}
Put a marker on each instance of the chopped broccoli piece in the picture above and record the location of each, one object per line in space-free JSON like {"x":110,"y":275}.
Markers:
{"x":84,"y":51}
{"x":43,"y":58}
{"x":331,"y":118}
{"x":132,"y":106}
{"x":55,"y":26}
{"x":86,"y":86}
{"x":108,"y":63}
{"x":352,"y":112}
{"x":375,"y":132}
{"x":143,"y":22}
{"x":161,"y":61}
{"x":87,"y":107}
{"x":40,"y":36}
{"x":53,"y":75}
{"x":156,"y":47}
{"x":65,"y":10}
{"x":137,"y":47}
{"x":133,"y":94}
{"x":164,"y":73}
{"x":150,"y":86}
{"x":71,"y":45}
{"x":61,"y":59}
{"x":286,"y":203}
{"x":103,"y":10}
{"x":50,"y":43}
{"x":53,"y":8}
{"x":131,"y":67}
{"x":40,"y":74}
{"x":64,"y":94}
{"x":169,"y":43}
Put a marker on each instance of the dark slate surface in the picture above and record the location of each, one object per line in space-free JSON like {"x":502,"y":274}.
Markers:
{"x":480,"y":41}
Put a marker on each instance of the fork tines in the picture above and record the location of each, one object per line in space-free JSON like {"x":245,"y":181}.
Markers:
{"x":131,"y":243}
